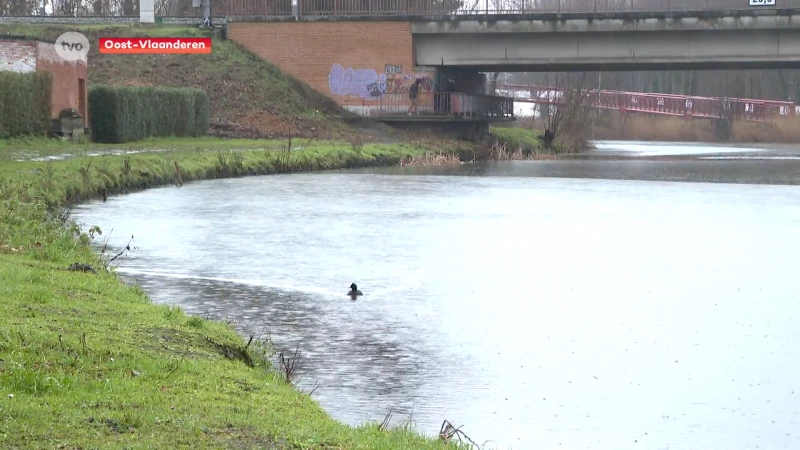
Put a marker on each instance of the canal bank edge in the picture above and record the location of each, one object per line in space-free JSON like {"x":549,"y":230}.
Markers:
{"x":86,"y":361}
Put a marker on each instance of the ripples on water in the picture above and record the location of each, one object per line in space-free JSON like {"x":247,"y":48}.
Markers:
{"x":538,"y":312}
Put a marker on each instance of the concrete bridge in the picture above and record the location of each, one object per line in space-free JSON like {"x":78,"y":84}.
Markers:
{"x":611,"y":42}
{"x":601,"y":41}
{"x":365,"y":54}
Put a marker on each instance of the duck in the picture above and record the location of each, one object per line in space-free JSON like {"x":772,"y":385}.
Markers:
{"x":354,"y":290}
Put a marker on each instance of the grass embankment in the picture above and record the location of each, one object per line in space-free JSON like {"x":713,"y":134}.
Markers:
{"x":517,"y":138}
{"x":87,"y":362}
{"x":26,"y":149}
{"x":54,"y":149}
{"x":676,"y":129}
{"x":250,"y":97}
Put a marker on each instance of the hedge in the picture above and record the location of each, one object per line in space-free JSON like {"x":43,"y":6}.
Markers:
{"x":131,"y":113}
{"x":24,"y":103}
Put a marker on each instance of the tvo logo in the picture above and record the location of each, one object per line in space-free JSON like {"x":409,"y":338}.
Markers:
{"x":72,"y":46}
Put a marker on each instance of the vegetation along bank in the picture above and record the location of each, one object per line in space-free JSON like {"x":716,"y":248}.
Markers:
{"x":88,"y":362}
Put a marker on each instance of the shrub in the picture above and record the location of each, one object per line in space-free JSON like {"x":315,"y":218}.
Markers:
{"x":25,"y":103}
{"x":131,"y":113}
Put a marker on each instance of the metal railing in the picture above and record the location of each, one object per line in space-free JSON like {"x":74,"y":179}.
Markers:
{"x":444,"y":104}
{"x":664,"y":104}
{"x":105,"y":18}
{"x":370,"y":8}
{"x":377,"y":7}
{"x":259,"y":7}
{"x":367,"y":8}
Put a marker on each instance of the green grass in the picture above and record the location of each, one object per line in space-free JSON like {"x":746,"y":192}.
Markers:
{"x":32,"y":148}
{"x":518,"y":137}
{"x":88,"y":362}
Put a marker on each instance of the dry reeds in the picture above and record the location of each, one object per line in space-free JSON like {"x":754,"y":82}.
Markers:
{"x":677,"y":129}
{"x":384,"y":425}
{"x":501,"y":152}
{"x":447,"y":432}
{"x":431,"y":159}
{"x":288,"y":365}
{"x":784,"y":130}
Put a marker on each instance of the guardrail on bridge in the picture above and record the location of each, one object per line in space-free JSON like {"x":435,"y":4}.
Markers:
{"x":107,"y":19}
{"x":377,"y":8}
{"x":485,"y":7}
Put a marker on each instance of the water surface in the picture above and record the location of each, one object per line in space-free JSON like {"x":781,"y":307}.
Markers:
{"x":556,"y":304}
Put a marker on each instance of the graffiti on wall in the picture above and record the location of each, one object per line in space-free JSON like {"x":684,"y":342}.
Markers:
{"x":369,"y":84}
{"x":354,"y":82}
{"x":391,"y":68}
{"x":400,"y":83}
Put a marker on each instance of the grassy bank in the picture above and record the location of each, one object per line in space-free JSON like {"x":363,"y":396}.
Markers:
{"x":520,"y":143}
{"x":87,"y":362}
{"x":524,"y":139}
{"x":26,"y":149}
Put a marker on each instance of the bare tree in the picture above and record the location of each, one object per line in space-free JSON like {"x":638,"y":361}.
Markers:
{"x":18,"y":7}
{"x":568,"y":114}
{"x":725,"y":107}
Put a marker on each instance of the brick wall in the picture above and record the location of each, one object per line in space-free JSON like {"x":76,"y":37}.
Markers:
{"x":27,"y":56}
{"x":351,"y":62}
{"x":17,"y":56}
{"x":66,"y":76}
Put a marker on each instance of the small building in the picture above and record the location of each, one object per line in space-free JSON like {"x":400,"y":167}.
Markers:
{"x":26,"y":54}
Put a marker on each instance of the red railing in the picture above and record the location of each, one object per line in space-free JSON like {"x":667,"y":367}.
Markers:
{"x":453,"y":104}
{"x":483,"y":7}
{"x":662,"y":104}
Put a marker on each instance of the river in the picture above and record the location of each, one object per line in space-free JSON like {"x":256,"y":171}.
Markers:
{"x":591,"y":303}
